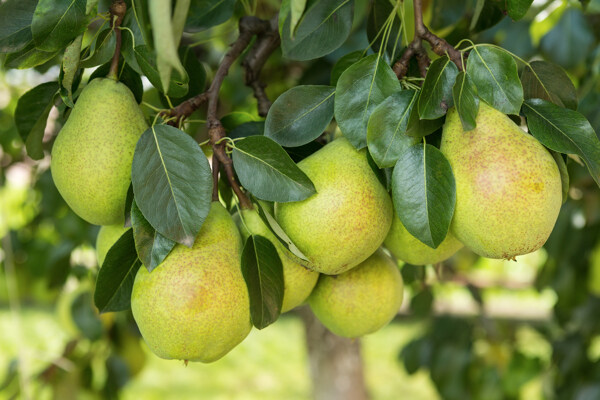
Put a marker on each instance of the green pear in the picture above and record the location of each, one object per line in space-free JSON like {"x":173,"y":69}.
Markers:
{"x":347,"y":219}
{"x":107,"y":237}
{"x":360,"y":301}
{"x":194,"y":306}
{"x":92,"y":155}
{"x":508,"y":187}
{"x":409,"y":249}
{"x":298,"y":280}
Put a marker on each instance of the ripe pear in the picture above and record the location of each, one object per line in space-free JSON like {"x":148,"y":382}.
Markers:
{"x":347,"y":219}
{"x":107,"y":237}
{"x":92,"y":155}
{"x":194,"y":306}
{"x":508,"y":187}
{"x":298,"y":280}
{"x":360,"y":301}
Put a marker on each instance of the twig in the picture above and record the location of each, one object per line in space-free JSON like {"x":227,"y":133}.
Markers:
{"x":117,"y":12}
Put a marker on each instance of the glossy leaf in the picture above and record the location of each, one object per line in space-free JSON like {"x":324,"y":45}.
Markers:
{"x":517,"y":8}
{"x":263,"y":273}
{"x":360,"y":89}
{"x":565,"y":131}
{"x":424,"y":193}
{"x":343,"y":64}
{"x":386,"y":131}
{"x":436,"y":96}
{"x":57,"y":22}
{"x":422,"y":127}
{"x":268,"y":172}
{"x":378,"y":16}
{"x":15,"y":24}
{"x":152,"y":247}
{"x":494,"y":72}
{"x":300,"y":115}
{"x":466,"y":100}
{"x":172,"y":183}
{"x":547,"y":81}
{"x":206,"y":13}
{"x":251,"y":128}
{"x":28,"y":57}
{"x":146,"y":59}
{"x":101,"y":50}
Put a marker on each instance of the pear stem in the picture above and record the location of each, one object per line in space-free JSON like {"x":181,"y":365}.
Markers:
{"x":117,"y":12}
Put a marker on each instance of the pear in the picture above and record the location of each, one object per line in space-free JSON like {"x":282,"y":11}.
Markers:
{"x":508,"y":187}
{"x":194,"y":306}
{"x":298,"y":280}
{"x":409,"y":249}
{"x":347,"y":219}
{"x":107,"y":237}
{"x":360,"y":301}
{"x":92,"y":155}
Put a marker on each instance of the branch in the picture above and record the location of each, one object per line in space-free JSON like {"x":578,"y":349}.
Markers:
{"x":117,"y":12}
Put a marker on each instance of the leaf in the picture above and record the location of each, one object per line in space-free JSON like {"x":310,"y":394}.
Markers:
{"x":251,"y":128}
{"x":28,"y":57}
{"x":424,"y":193}
{"x":102,"y":49}
{"x":297,"y":8}
{"x":565,"y":131}
{"x":268,"y":172}
{"x":360,"y":89}
{"x":115,"y":278}
{"x":517,"y":8}
{"x":85,"y":317}
{"x":179,"y":17}
{"x":204,"y":14}
{"x":128,"y":204}
{"x":494,"y":72}
{"x":152,"y":247}
{"x":343,"y":64}
{"x":172,"y":182}
{"x":31,"y":115}
{"x":378,"y":16}
{"x":131,"y":38}
{"x":15,"y":24}
{"x":146,"y":59}
{"x":466,"y":101}
{"x":564,"y":174}
{"x":300,"y":115}
{"x":570,"y":41}
{"x":436,"y":95}
{"x":386,"y":131}
{"x":57,"y":22}
{"x":263,"y":273}
{"x":547,"y":81}
{"x":69,"y":67}
{"x":422,"y":127}
{"x":323,"y":28}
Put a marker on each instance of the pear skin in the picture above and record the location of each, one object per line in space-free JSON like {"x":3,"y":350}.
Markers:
{"x":298,"y":280}
{"x":360,"y":301}
{"x":194,"y":306}
{"x":508,"y":187}
{"x":107,"y":237}
{"x":92,"y":155}
{"x":347,"y":219}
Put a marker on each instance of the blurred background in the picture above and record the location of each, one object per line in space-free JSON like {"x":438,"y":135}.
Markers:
{"x":471,"y":328}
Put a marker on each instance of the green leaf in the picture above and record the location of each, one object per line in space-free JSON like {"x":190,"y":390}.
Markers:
{"x":172,"y":182}
{"x":152,"y":247}
{"x":378,"y":16}
{"x":517,"y":8}
{"x":436,"y":95}
{"x":422,"y":127}
{"x":31,"y":115}
{"x":15,"y":24}
{"x":564,"y":174}
{"x":178,"y":86}
{"x":343,"y":64}
{"x":300,"y":115}
{"x":494,"y":72}
{"x":466,"y":101}
{"x":565,"y":131}
{"x":424,"y":193}
{"x":297,"y":8}
{"x":179,"y":17}
{"x":28,"y":57}
{"x":547,"y":81}
{"x":323,"y":28}
{"x":57,"y":22}
{"x":115,"y":278}
{"x":251,"y":128}
{"x":85,"y":317}
{"x":263,"y":273}
{"x":204,"y":14}
{"x":268,"y":172}
{"x":69,"y":69}
{"x":570,"y":41}
{"x":360,"y":89}
{"x":131,"y":38}
{"x":102,"y":49}
{"x":386,"y":131}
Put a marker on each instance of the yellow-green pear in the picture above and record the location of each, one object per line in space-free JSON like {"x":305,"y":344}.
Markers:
{"x":298,"y":280}
{"x":508,"y":187}
{"x":107,"y":237}
{"x":194,"y":306}
{"x":347,"y":219}
{"x":92,"y":155}
{"x":360,"y":301}
{"x":409,"y":249}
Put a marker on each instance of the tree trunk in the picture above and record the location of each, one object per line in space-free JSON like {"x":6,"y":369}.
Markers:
{"x":335,"y":362}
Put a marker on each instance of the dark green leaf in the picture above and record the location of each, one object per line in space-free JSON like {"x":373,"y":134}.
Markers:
{"x":128,"y":204}
{"x":172,"y":182}
{"x":236,"y":118}
{"x":494,"y":72}
{"x":127,"y":76}
{"x":57,"y":22}
{"x":263,"y":273}
{"x":206,"y":13}
{"x":178,"y":86}
{"x":436,"y":96}
{"x":15,"y":24}
{"x":466,"y":101}
{"x":323,"y":28}
{"x":132,"y":37}
{"x":422,"y":127}
{"x":343,"y":64}
{"x":28,"y":57}
{"x":446,"y":12}
{"x":487,"y":14}
{"x":101,"y":49}
{"x":565,"y":131}
{"x":570,"y":41}
{"x":300,"y":115}
{"x":152,"y":247}
{"x":31,"y":115}
{"x":301,"y":152}
{"x":268,"y":172}
{"x":424,"y":193}
{"x":115,"y":278}
{"x":547,"y":81}
{"x":386,"y":131}
{"x":360,"y":89}
{"x":195,"y":71}
{"x":380,"y":11}
{"x":251,"y":128}
{"x":517,"y":8}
